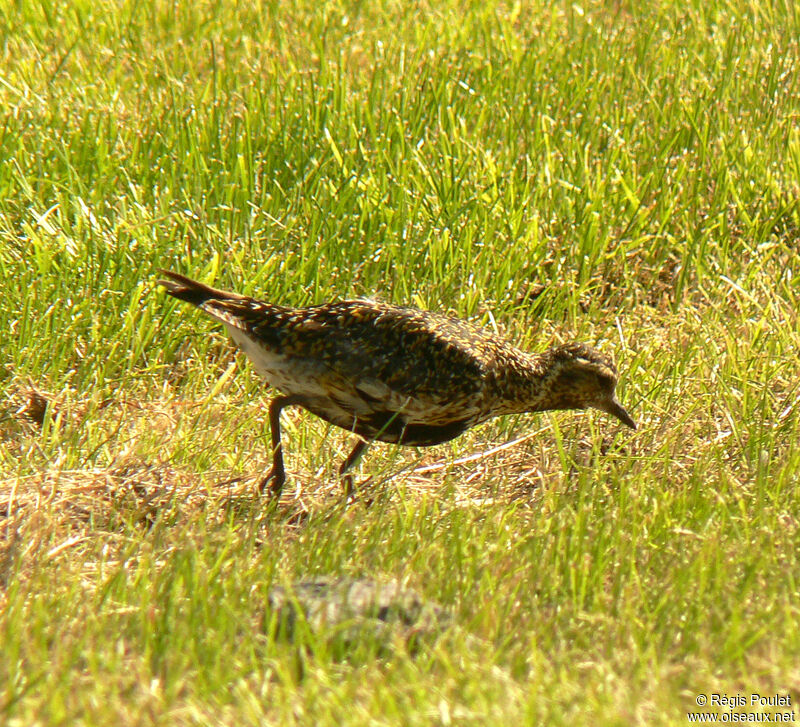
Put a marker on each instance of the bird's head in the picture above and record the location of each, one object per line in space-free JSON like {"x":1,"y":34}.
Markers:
{"x":580,"y":377}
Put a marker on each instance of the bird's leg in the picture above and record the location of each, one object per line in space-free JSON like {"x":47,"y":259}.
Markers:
{"x":277,"y":475}
{"x":352,"y":458}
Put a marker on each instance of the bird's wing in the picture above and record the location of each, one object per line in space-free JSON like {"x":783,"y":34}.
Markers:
{"x":401,"y":360}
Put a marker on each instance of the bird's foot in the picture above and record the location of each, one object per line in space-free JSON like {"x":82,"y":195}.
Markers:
{"x":348,"y":486}
{"x":274,"y":481}
{"x":352,"y":495}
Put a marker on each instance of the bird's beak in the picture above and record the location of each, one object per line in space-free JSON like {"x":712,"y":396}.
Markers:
{"x":616,"y":409}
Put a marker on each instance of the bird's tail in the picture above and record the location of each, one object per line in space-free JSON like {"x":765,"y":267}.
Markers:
{"x":183,"y":288}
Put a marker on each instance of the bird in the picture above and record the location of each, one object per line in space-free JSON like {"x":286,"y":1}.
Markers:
{"x":396,"y":374}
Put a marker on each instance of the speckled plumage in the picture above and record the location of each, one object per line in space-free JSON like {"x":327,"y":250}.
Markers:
{"x":396,"y":374}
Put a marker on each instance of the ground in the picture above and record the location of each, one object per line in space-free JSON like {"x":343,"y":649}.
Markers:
{"x":620,"y":175}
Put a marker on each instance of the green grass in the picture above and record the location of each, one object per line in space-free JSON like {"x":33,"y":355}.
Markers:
{"x":640,"y":161}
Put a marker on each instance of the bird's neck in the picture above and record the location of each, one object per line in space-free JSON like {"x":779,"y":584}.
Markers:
{"x":525,"y":384}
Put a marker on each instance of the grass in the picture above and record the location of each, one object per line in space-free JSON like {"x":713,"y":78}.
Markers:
{"x":641,"y":162}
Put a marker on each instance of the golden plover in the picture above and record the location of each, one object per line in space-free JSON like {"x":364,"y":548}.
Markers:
{"x":396,"y":374}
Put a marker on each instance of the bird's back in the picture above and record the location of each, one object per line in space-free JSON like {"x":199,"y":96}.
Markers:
{"x":412,"y":351}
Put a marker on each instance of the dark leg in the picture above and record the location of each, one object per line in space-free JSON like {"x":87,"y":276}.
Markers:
{"x":277,"y":474}
{"x":352,"y":458}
